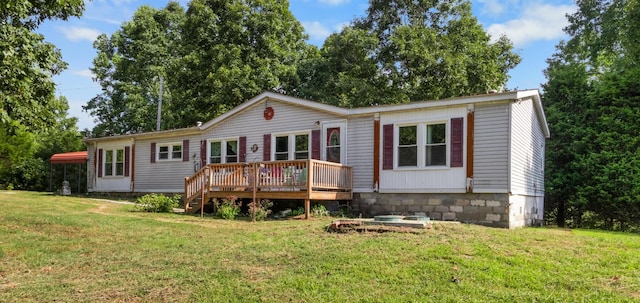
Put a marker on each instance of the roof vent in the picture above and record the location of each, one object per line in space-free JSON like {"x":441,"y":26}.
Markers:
{"x":198,"y":123}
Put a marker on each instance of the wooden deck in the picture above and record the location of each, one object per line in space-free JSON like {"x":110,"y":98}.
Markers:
{"x":275,"y":180}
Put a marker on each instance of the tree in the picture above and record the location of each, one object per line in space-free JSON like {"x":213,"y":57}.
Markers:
{"x":130,"y":65}
{"x":592,"y":101}
{"x":24,"y":156}
{"x":27,"y":63}
{"x":212,"y":57}
{"x":232,"y":51}
{"x":27,"y":101}
{"x":422,"y":50}
{"x":345,"y":73}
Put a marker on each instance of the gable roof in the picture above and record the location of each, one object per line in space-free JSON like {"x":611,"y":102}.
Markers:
{"x":266,"y":96}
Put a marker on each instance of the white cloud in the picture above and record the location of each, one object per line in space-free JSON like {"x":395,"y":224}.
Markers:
{"x":340,"y":26}
{"x":75,"y":33}
{"x":540,"y":22}
{"x":120,"y":2}
{"x":316,"y":30}
{"x":83,"y":73}
{"x":492,"y":7}
{"x":334,"y":2}
{"x":105,"y":20}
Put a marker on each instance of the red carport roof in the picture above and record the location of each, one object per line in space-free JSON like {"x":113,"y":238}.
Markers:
{"x":70,"y":158}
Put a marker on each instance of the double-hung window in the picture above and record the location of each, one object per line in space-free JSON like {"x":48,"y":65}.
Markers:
{"x":291,"y":146}
{"x":170,"y":151}
{"x":422,"y":145}
{"x":223,"y":151}
{"x":114,"y":162}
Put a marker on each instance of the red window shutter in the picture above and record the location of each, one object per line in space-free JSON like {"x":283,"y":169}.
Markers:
{"x":266,"y":147}
{"x":315,"y":144}
{"x":185,"y":150}
{"x":387,"y":146}
{"x":127,"y":160}
{"x":153,"y":152}
{"x":242,"y":157}
{"x":100,"y":163}
{"x":203,"y":153}
{"x":457,"y":132}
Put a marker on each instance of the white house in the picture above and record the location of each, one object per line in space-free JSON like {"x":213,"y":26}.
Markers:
{"x":477,"y":159}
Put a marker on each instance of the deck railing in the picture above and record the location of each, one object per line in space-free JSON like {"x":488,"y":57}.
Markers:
{"x":295,"y":175}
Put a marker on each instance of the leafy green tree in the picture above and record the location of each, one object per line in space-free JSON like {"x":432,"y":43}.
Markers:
{"x":62,"y":136}
{"x":17,"y":145}
{"x":27,"y":101}
{"x":233,"y":50}
{"x":565,"y":100}
{"x":592,"y":100}
{"x":345,"y":73}
{"x":129,"y":67}
{"x":421,"y":50}
{"x":25,"y":156}
{"x":27,"y":62}
{"x":212,"y":57}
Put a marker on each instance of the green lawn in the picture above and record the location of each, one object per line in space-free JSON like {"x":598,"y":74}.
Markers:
{"x":69,"y":249}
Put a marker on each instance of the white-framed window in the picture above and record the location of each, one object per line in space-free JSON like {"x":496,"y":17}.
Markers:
{"x":223,"y":151}
{"x":421,"y":145}
{"x":114,"y":163}
{"x":169,"y":151}
{"x":291,"y":146}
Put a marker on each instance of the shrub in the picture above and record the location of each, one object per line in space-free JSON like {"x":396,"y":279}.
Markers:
{"x":297,"y":212}
{"x":319,"y":211}
{"x":261,"y":209}
{"x":157,"y":203}
{"x":228,"y":208}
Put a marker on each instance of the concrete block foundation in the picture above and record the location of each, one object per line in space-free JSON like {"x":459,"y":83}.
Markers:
{"x":483,"y":209}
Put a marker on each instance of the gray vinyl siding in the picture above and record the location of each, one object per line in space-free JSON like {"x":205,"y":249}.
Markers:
{"x":162,"y":176}
{"x":169,"y":176}
{"x":252,"y":124}
{"x":527,"y":150}
{"x":360,"y":151}
{"x":491,"y":148}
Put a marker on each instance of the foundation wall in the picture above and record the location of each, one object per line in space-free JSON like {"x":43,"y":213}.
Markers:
{"x":483,"y":209}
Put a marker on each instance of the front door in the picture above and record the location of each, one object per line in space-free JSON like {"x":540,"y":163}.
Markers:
{"x":334,"y":142}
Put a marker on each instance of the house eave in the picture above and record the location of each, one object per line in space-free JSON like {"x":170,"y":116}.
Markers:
{"x":148,"y":135}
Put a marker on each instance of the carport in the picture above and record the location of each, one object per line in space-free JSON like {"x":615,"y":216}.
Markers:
{"x":78,"y":158}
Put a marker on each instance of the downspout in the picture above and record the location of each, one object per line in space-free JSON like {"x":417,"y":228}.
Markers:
{"x":95,"y":166}
{"x":470,"y":138}
{"x":133,"y":165}
{"x":376,"y":152}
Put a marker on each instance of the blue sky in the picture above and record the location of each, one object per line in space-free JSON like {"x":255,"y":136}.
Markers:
{"x":534,"y":26}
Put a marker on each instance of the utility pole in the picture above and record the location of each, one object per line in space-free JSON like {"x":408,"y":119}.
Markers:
{"x":159,"y":105}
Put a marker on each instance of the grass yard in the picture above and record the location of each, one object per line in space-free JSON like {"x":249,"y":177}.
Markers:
{"x":70,"y":249}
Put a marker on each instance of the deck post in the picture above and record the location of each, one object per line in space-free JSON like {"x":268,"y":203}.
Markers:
{"x":307,"y":201}
{"x":202,"y":202}
{"x":186,"y":192}
{"x":307,"y":208}
{"x":255,"y":190}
